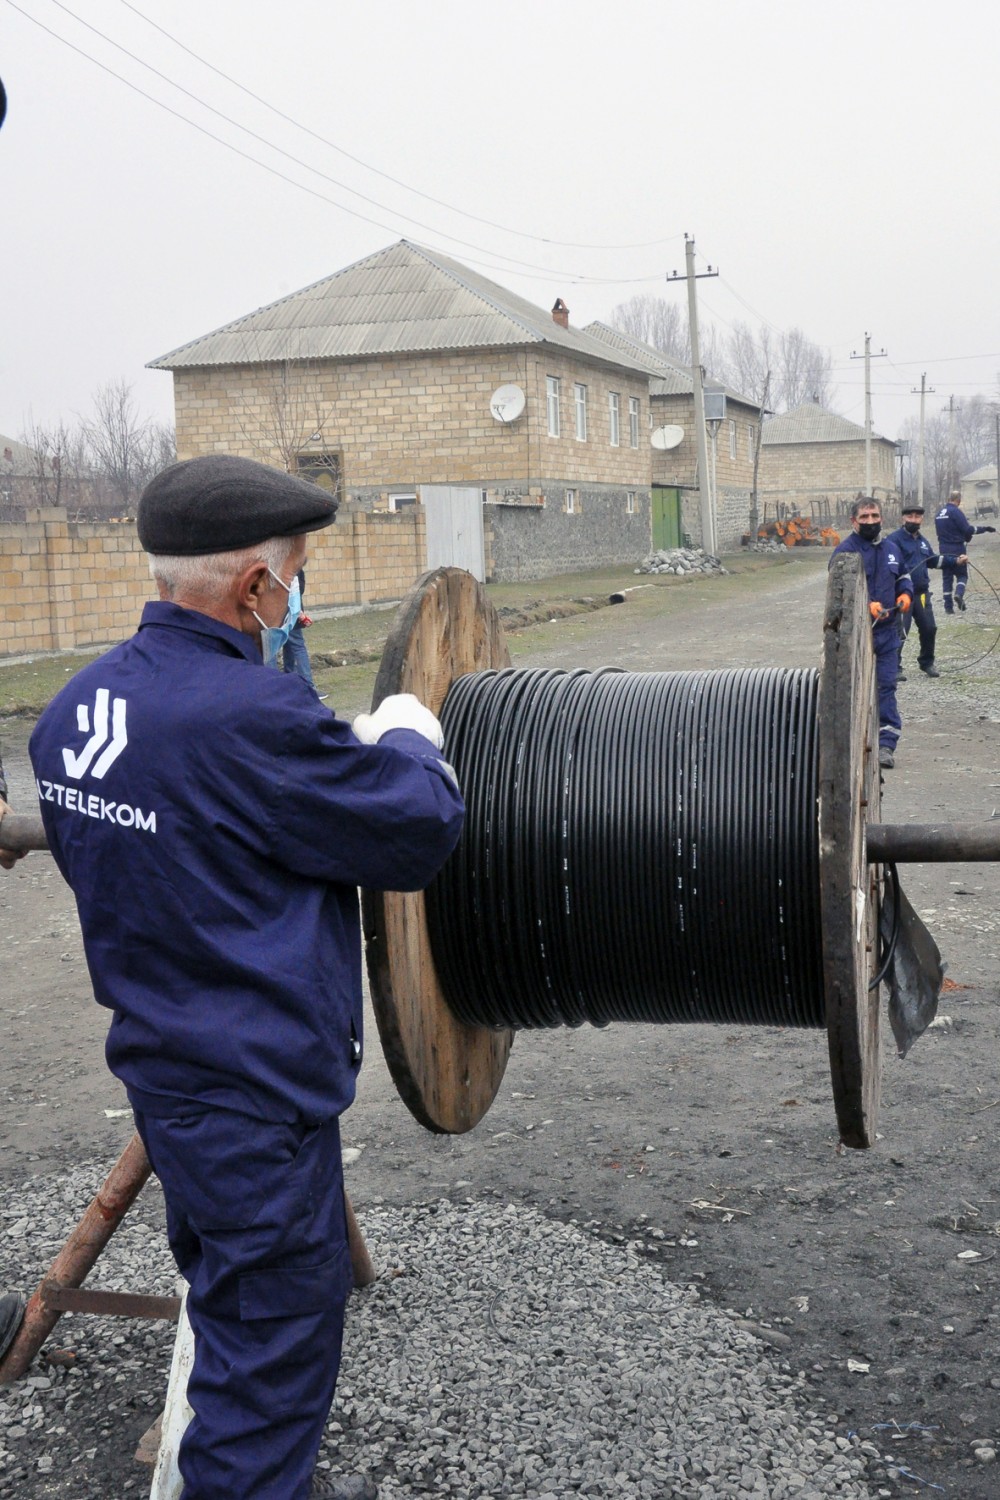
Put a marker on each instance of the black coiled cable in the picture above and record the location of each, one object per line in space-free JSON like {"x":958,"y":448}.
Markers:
{"x":637,"y":847}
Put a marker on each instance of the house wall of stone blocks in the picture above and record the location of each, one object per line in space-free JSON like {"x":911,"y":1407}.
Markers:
{"x":679,"y":466}
{"x":404,"y":421}
{"x":822,"y":479}
{"x":67,"y":585}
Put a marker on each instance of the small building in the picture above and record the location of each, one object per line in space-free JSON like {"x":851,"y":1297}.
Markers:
{"x":979,"y":493}
{"x":676,"y":498}
{"x":812,"y":463}
{"x":408,"y":378}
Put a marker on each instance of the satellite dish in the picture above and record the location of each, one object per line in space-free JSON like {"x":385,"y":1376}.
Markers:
{"x":666,"y":437}
{"x":507,"y":403}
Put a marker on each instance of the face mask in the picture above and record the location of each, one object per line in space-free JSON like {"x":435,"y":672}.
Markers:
{"x":869,"y":530}
{"x":912,"y":527}
{"x":273,"y":637}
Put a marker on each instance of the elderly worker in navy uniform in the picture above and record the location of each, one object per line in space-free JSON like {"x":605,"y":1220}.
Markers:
{"x":889,"y":589}
{"x":214,"y":820}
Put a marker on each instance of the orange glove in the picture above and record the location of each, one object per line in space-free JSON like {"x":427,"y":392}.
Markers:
{"x":305,"y":620}
{"x":878,"y":611}
{"x":903,"y":603}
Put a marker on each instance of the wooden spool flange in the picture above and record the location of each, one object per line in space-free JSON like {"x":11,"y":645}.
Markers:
{"x":447,"y":1073}
{"x":849,"y":797}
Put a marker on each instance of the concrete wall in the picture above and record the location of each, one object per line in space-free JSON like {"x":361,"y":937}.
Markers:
{"x":539,"y":540}
{"x":69,"y":584}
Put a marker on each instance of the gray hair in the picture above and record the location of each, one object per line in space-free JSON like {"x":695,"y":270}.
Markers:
{"x":210,"y":574}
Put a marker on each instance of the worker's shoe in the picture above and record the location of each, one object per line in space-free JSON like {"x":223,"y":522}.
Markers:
{"x":949,"y":609}
{"x":930,"y":670}
{"x":11,"y":1317}
{"x":344,"y":1487}
{"x":900,"y":675}
{"x":885,"y":759}
{"x":960,"y":602}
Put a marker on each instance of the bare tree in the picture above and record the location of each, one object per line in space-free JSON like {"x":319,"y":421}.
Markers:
{"x":653,"y":320}
{"x":119,"y":441}
{"x":805,"y":372}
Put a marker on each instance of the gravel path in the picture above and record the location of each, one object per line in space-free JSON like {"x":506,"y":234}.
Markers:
{"x":500,"y":1353}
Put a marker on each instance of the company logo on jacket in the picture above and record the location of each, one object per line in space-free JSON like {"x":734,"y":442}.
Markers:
{"x":106,"y":747}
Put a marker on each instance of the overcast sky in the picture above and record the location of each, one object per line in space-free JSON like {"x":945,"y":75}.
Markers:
{"x":836,"y":162}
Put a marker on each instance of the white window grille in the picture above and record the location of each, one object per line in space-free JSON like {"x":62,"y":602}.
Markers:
{"x":633,"y":421}
{"x":552,"y":403}
{"x":580,"y":403}
{"x":614,"y":417}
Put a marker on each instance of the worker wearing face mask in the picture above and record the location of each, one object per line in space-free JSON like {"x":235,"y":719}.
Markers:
{"x":214,"y":821}
{"x":918,"y":555}
{"x":890,"y":592}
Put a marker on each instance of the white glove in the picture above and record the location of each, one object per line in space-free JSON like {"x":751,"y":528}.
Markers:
{"x":400,"y":711}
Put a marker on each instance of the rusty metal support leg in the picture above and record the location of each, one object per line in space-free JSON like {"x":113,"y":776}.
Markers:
{"x":121,"y":1187}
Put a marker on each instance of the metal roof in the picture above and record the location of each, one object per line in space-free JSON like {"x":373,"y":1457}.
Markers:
{"x":669,"y":377}
{"x":23,"y":458}
{"x":403,"y":299}
{"x":810,"y":423}
{"x":988,"y":471}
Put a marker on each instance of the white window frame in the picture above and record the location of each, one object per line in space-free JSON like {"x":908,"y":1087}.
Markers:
{"x":580,"y":411}
{"x":552,"y":404}
{"x":633,"y":421}
{"x":751,"y":440}
{"x":402,"y":499}
{"x":614,"y":418}
{"x":732,"y":439}
{"x":630,"y":502}
{"x":571,"y":509}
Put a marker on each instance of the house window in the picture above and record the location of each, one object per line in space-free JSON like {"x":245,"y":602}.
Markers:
{"x":324,"y":469}
{"x":552,"y":403}
{"x":633,"y":421}
{"x":630,"y":502}
{"x":614,"y":414}
{"x":580,"y":406}
{"x":402,"y":500}
{"x":751,"y":435}
{"x":732,"y":440}
{"x":571,"y":502}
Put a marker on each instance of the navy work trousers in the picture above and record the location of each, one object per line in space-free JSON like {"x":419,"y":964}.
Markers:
{"x":957,"y":578}
{"x":257,"y":1225}
{"x":886,"y":644}
{"x":922,"y":616}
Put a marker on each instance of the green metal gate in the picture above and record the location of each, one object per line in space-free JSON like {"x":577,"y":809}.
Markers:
{"x":666,"y":518}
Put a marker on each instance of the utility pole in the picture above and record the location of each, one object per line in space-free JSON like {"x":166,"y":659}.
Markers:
{"x":925,"y":390}
{"x":868,"y":356}
{"x":951,"y":444}
{"x":708,"y":539}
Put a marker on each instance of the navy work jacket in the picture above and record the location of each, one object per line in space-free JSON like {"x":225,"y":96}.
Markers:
{"x":214,"y":821}
{"x":918,"y":555}
{"x":954,"y":529}
{"x":887,"y":579}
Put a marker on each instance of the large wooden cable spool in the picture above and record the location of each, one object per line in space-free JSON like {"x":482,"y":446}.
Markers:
{"x":448,"y":1072}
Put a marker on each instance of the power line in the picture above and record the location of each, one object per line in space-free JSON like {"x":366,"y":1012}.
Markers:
{"x":514,"y":261}
{"x":387,"y":176}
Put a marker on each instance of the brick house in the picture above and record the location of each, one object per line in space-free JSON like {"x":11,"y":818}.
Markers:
{"x":812,"y":463}
{"x":379,"y":382}
{"x":676,"y":500}
{"x":979,"y":493}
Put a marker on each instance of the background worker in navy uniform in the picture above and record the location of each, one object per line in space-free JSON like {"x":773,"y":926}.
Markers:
{"x":918,"y":555}
{"x":214,"y":821}
{"x":889,"y":590}
{"x":954,"y":533}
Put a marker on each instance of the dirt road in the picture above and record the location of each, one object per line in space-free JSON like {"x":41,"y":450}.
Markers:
{"x":717,"y":1146}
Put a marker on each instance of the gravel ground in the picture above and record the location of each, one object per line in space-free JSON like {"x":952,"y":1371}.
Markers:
{"x":500,"y":1353}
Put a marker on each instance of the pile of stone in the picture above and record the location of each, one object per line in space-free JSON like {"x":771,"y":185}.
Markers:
{"x":681,"y":560}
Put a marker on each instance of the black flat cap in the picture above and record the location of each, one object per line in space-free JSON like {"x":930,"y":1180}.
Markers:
{"x":219,"y":504}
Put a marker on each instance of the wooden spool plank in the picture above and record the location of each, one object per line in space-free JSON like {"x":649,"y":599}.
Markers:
{"x":447,"y":1073}
{"x":849,"y":797}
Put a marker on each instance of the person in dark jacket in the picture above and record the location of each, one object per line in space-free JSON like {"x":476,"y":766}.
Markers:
{"x":954,"y":533}
{"x":214,"y":821}
{"x":918,"y":555}
{"x":889,"y":591}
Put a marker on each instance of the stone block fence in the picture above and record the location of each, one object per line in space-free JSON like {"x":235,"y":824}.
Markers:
{"x":68,"y":584}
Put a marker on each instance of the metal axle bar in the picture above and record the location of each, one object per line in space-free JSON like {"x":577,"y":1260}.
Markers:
{"x":932,"y":843}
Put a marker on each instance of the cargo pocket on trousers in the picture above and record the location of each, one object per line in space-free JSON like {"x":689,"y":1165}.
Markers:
{"x":295,"y":1291}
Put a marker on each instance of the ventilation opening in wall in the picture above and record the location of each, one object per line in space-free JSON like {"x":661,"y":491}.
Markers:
{"x":324,"y":469}
{"x":401,"y":501}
